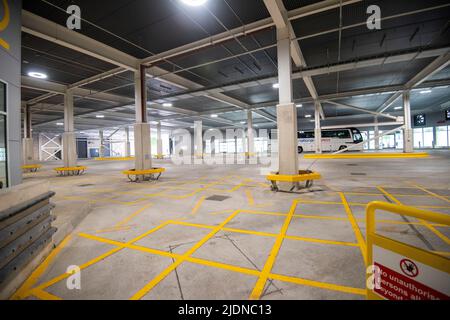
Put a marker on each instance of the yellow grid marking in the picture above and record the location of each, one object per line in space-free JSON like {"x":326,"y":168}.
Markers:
{"x":424,"y":223}
{"x":43,"y":295}
{"x":259,"y":286}
{"x":21,"y":293}
{"x":197,"y":205}
{"x":433,"y":194}
{"x":91,"y":262}
{"x":142,"y":292}
{"x":251,"y":201}
{"x":318,"y":284}
{"x":133,"y":215}
{"x":355,"y":227}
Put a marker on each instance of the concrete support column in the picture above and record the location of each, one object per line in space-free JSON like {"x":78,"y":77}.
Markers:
{"x":142,"y":147}
{"x":27,"y":142}
{"x":250,"y":135}
{"x":407,"y":131}
{"x":286,"y":109}
{"x":317,"y":128}
{"x":69,"y":146}
{"x":198,"y":139}
{"x":159,"y":147}
{"x":127,"y":142}
{"x":101,"y":149}
{"x":377,"y":134}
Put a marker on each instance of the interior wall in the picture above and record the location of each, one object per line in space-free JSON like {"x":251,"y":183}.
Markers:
{"x":10,"y":66}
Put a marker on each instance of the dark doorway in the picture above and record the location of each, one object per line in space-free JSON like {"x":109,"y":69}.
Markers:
{"x":82,"y":149}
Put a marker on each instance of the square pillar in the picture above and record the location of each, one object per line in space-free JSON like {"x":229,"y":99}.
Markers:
{"x":317,"y":128}
{"x":407,"y":131}
{"x":101,"y":149}
{"x":377,"y":134}
{"x":68,"y":139}
{"x":250,"y":135}
{"x":27,"y":142}
{"x":142,"y":146}
{"x":127,"y":142}
{"x":159,"y":153}
{"x":286,"y":110}
{"x":198,"y":139}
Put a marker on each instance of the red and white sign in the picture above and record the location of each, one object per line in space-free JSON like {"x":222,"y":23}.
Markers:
{"x":403,"y":278}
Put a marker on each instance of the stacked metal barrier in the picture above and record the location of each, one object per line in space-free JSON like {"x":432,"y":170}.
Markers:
{"x":25,"y":229}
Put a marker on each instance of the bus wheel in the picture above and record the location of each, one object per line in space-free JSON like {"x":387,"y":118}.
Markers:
{"x":342,"y":148}
{"x":300,"y":149}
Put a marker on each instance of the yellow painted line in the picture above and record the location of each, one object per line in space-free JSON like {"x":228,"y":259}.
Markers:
{"x":250,"y":200}
{"x":133,"y":215}
{"x":323,"y":241}
{"x":424,"y":223}
{"x":317,"y":284}
{"x":432,"y":193}
{"x":44,"y":295}
{"x":443,"y":253}
{"x":149,"y":286}
{"x":22,"y":292}
{"x":197,"y":205}
{"x":95,"y":260}
{"x":259,"y":286}
{"x":367,"y":155}
{"x":233,"y":268}
{"x":113,"y":229}
{"x":221,"y":212}
{"x":355,"y":227}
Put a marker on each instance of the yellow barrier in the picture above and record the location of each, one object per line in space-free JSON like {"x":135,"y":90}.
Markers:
{"x":401,"y":271}
{"x":146,"y":174}
{"x":114,"y":158}
{"x":381,"y":155}
{"x":31,"y":167}
{"x":71,"y":171}
{"x":307,"y":176}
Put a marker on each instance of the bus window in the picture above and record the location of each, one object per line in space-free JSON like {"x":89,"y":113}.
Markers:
{"x":328,"y":134}
{"x":343,"y":134}
{"x":305,"y":135}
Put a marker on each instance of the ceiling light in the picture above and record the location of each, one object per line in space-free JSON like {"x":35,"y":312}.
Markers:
{"x":243,"y":122}
{"x":194,"y":3}
{"x":214,"y":116}
{"x":398,"y":108}
{"x":59,"y":124}
{"x":308,"y":116}
{"x":101,"y":116}
{"x":299,"y":105}
{"x":276,"y":85}
{"x":425,"y":91}
{"x":167,"y":104}
{"x":37,"y":75}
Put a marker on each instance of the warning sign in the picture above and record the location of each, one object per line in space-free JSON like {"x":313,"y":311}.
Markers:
{"x":405,"y":279}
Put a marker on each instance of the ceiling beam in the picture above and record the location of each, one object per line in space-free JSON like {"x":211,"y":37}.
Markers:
{"x":437,"y":65}
{"x":279,"y":15}
{"x":344,"y":105}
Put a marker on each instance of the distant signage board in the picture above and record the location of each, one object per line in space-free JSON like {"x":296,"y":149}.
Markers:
{"x":420,"y":120}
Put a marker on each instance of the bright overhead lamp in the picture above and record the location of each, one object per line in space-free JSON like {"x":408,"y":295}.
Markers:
{"x":425,"y":91}
{"x":100,"y":116}
{"x":214,"y":116}
{"x":194,"y":3}
{"x":299,"y":105}
{"x":398,"y":108}
{"x":276,"y":85}
{"x":59,"y":124}
{"x":243,"y":122}
{"x":308,"y":116}
{"x":167,"y":104}
{"x":37,"y":75}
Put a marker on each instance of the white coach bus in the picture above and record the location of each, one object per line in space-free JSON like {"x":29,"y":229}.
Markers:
{"x":332,"y":140}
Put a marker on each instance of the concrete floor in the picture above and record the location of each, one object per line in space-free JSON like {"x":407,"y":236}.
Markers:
{"x":166,"y":240}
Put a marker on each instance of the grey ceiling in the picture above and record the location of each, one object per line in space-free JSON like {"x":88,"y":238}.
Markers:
{"x":155,"y":26}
